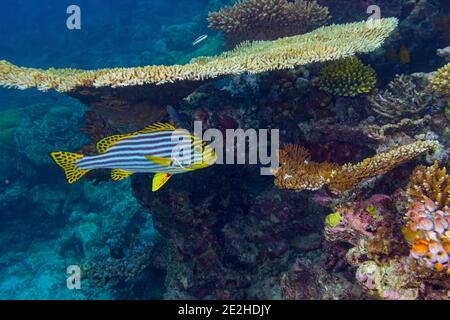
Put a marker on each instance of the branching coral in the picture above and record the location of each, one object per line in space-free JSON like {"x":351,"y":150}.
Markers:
{"x":347,"y":77}
{"x":324,"y":44}
{"x":428,"y":219}
{"x":267,"y":19}
{"x":440,"y":81}
{"x":298,"y":172}
{"x":402,"y":99}
{"x":430,"y":182}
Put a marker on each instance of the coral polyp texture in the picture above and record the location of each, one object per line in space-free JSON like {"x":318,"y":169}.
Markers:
{"x":267,"y":19}
{"x":347,"y":77}
{"x":440,"y":81}
{"x":428,"y":216}
{"x":324,"y":44}
{"x":298,"y":172}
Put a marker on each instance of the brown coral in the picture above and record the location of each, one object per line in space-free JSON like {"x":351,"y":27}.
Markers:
{"x":267,"y":19}
{"x":430,"y":182}
{"x":298,"y":172}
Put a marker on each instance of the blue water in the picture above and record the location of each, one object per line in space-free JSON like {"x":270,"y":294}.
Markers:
{"x":47,"y":225}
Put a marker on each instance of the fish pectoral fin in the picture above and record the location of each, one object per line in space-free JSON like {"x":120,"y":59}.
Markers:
{"x":119,"y":174}
{"x":158,"y":160}
{"x":159,"y":180}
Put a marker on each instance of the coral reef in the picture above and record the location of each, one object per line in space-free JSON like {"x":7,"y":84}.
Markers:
{"x":409,"y":265}
{"x":57,"y":128}
{"x":347,"y":77}
{"x":298,"y":172}
{"x":267,"y":19}
{"x":428,"y":218}
{"x":228,"y":232}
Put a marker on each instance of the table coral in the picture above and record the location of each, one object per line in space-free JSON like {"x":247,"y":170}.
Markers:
{"x":347,"y":77}
{"x":298,"y":172}
{"x":267,"y":19}
{"x":326,"y":43}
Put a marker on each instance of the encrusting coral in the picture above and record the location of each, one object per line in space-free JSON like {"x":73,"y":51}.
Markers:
{"x":347,"y":77}
{"x":402,"y":99}
{"x":324,"y":44}
{"x":440,"y":81}
{"x":267,"y":19}
{"x":298,"y":172}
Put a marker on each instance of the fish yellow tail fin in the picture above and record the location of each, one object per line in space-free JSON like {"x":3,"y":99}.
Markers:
{"x":66,"y":160}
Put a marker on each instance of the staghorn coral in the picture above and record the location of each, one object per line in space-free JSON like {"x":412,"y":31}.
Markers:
{"x":326,"y":43}
{"x":267,"y":19}
{"x":440,"y":81}
{"x":347,"y":77}
{"x":403,"y":98}
{"x":298,"y":172}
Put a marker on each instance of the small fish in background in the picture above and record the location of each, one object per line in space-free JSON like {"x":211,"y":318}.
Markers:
{"x":159,"y":148}
{"x":200,"y":39}
{"x":402,"y":56}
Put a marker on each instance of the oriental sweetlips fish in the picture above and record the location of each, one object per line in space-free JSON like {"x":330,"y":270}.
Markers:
{"x":159,"y":148}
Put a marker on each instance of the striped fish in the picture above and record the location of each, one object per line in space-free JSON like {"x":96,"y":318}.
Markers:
{"x":159,"y":148}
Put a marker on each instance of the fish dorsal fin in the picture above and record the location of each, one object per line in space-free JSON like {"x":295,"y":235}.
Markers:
{"x":159,"y":180}
{"x":119,"y":174}
{"x":104,"y":144}
{"x":158,"y":126}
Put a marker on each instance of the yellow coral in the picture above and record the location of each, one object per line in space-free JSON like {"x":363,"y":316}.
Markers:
{"x":440,"y":81}
{"x":347,"y":77}
{"x":333,"y":219}
{"x":324,"y":44}
{"x":298,"y":172}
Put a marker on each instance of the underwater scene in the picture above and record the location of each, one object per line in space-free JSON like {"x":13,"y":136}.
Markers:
{"x":225,"y":150}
